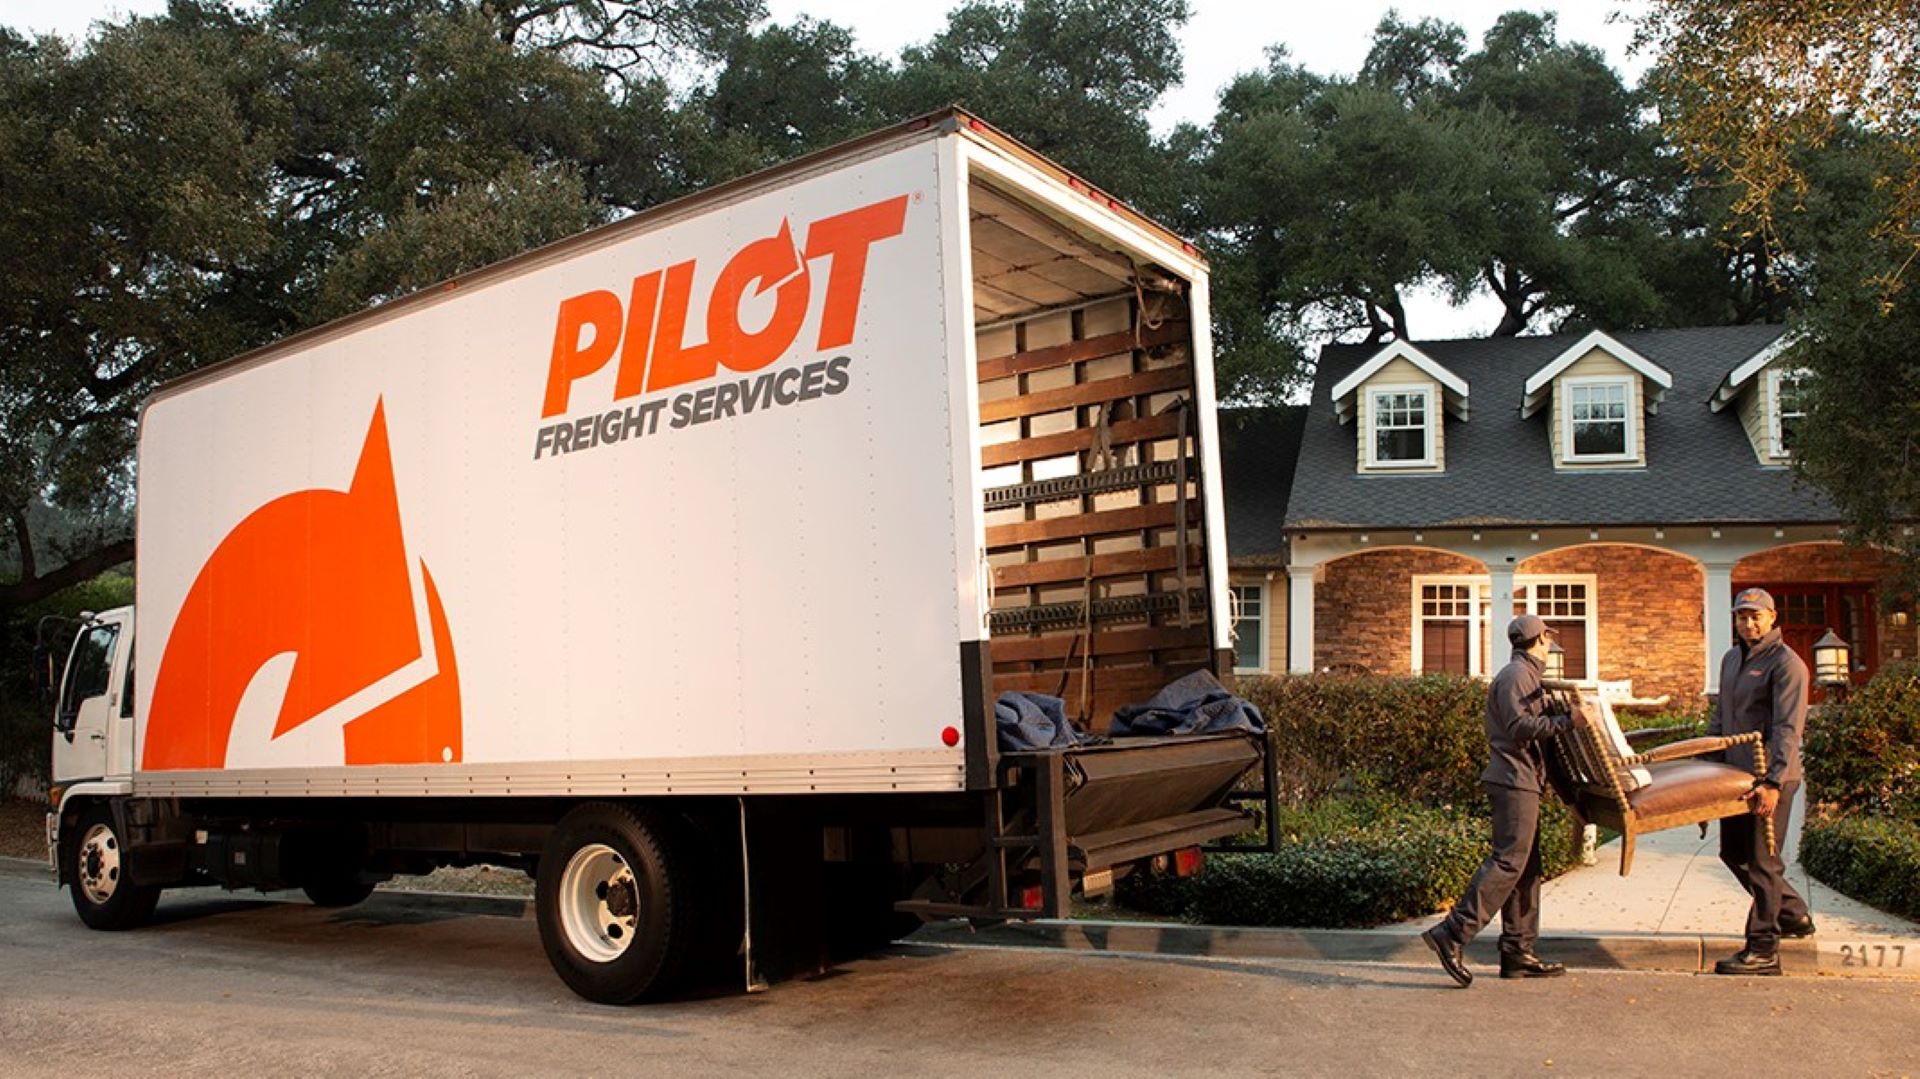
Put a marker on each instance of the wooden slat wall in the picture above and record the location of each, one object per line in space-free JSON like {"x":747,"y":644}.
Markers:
{"x":1045,"y":382}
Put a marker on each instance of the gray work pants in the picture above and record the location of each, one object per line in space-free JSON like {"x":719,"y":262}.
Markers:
{"x":1743,"y":847}
{"x":1508,"y":881}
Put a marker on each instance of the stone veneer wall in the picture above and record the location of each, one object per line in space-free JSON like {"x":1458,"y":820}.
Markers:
{"x":1648,"y":606}
{"x":1363,"y":607}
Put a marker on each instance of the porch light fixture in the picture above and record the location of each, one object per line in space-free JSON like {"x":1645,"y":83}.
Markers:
{"x":1898,"y":618}
{"x":1556,"y":660}
{"x":1659,"y":533}
{"x":1534,"y":536}
{"x":1593,"y":533}
{"x":1831,"y":660}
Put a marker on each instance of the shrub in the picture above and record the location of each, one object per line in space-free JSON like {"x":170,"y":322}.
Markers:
{"x":1345,"y":862}
{"x":1420,"y":739}
{"x":1873,"y":859}
{"x":1864,"y":755}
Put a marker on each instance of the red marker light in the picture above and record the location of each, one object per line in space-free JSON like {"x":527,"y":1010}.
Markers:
{"x":1186,"y":861}
{"x":950,"y":736}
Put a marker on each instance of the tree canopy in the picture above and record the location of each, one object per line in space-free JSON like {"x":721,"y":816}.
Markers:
{"x":182,"y":188}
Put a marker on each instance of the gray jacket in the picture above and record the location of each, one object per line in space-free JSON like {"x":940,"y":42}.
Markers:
{"x":1763,"y":688}
{"x":1517,"y":720}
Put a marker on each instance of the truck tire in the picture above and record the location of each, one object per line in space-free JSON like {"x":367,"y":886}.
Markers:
{"x":614,"y":903}
{"x":343,"y":891}
{"x":103,"y":894}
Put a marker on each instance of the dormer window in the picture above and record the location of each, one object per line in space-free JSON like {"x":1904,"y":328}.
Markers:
{"x":1597,"y":395}
{"x":1402,"y":427}
{"x":1396,"y":401}
{"x":1787,"y":390}
{"x":1599,"y":419}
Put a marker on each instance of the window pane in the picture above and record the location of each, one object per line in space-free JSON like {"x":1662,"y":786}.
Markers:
{"x":1599,"y":437}
{"x":1598,"y":414}
{"x":1249,"y":630}
{"x":1400,"y":426}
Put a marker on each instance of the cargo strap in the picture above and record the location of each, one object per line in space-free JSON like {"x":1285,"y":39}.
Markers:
{"x":1180,"y":502}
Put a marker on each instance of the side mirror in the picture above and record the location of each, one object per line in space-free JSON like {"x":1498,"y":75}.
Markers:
{"x":43,"y":673}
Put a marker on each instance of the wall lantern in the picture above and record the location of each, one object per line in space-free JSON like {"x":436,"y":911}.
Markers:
{"x":1830,"y":660}
{"x":1557,"y":660}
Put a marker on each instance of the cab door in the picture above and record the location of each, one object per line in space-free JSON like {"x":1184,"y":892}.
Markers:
{"x":88,"y":715}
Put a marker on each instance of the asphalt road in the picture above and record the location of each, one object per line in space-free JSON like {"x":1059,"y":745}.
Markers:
{"x":225,"y":984}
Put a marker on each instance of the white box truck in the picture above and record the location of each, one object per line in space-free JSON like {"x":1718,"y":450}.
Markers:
{"x":680,"y":564}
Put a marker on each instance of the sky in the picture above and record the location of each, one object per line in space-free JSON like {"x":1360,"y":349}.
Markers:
{"x":1223,"y":38}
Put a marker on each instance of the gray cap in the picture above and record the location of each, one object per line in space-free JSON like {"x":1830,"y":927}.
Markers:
{"x":1753,"y":599}
{"x":1526,"y":628}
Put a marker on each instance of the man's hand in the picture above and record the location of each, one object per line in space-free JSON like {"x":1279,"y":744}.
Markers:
{"x":1763,"y":800}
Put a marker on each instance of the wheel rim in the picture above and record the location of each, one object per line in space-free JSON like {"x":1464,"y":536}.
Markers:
{"x":99,"y":873}
{"x":599,"y":903}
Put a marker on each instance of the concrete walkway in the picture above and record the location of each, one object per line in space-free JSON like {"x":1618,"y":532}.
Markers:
{"x":1679,"y":889}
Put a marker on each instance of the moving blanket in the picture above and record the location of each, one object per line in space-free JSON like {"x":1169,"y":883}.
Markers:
{"x":1032,"y":721}
{"x":1196,"y":704}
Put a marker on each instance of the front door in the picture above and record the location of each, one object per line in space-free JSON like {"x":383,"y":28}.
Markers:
{"x":87,"y":705}
{"x":1808,"y":611}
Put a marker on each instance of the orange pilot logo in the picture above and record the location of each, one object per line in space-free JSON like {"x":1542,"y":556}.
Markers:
{"x":323,"y":575}
{"x":648,"y":332}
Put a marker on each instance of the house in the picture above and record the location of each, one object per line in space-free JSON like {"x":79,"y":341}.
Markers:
{"x":1622,"y":486}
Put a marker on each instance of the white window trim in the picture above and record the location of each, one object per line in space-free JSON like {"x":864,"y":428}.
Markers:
{"x":1525,"y":584}
{"x":1426,"y":391}
{"x":1264,"y":635}
{"x":1482,"y":589}
{"x":1482,"y":584}
{"x":1566,"y":421}
{"x":1774,"y":377}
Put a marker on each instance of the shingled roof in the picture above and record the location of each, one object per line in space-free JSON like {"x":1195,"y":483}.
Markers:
{"x":1700,"y":467}
{"x":1258,"y":448}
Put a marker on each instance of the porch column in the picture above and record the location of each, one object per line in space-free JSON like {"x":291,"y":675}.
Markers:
{"x":1716,"y":617}
{"x":1300,"y":619}
{"x":1501,"y":613}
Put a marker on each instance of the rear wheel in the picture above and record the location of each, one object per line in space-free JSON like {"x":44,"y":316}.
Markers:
{"x":345,"y":891}
{"x":614,"y":903}
{"x":104,"y":895}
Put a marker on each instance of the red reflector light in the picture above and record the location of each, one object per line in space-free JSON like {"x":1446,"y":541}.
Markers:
{"x":1075,"y":183}
{"x":950,"y":736}
{"x":976,"y":125}
{"x":1186,"y":861}
{"x":1030,"y":898}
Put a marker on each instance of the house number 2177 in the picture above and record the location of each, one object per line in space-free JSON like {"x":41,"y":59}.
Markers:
{"x":1872,"y":955}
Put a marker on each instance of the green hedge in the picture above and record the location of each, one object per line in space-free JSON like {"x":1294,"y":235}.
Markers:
{"x":1873,"y":859}
{"x":1345,"y":863}
{"x":1417,"y":739}
{"x":1863,"y":756}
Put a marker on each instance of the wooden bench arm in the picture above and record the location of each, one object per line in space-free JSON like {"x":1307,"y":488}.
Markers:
{"x":1692,"y":747}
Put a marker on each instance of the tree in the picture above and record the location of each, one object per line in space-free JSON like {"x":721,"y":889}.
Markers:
{"x":135,"y":176}
{"x":1808,"y":116}
{"x":190,"y":186}
{"x":1752,"y":86}
{"x":1074,"y":79}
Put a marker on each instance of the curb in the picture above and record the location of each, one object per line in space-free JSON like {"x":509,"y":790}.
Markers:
{"x":1678,"y":953}
{"x":1675,"y":953}
{"x":491,"y":906}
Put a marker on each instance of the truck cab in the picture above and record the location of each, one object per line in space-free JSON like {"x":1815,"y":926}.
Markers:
{"x":93,"y":721}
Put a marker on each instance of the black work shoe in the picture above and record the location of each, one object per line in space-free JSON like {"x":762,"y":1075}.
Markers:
{"x":1528,"y":965}
{"x":1749,"y":961}
{"x":1452,"y":957}
{"x":1796,"y":928}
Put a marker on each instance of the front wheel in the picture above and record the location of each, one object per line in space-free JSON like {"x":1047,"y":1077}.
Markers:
{"x":614,"y":904}
{"x":104,"y":895}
